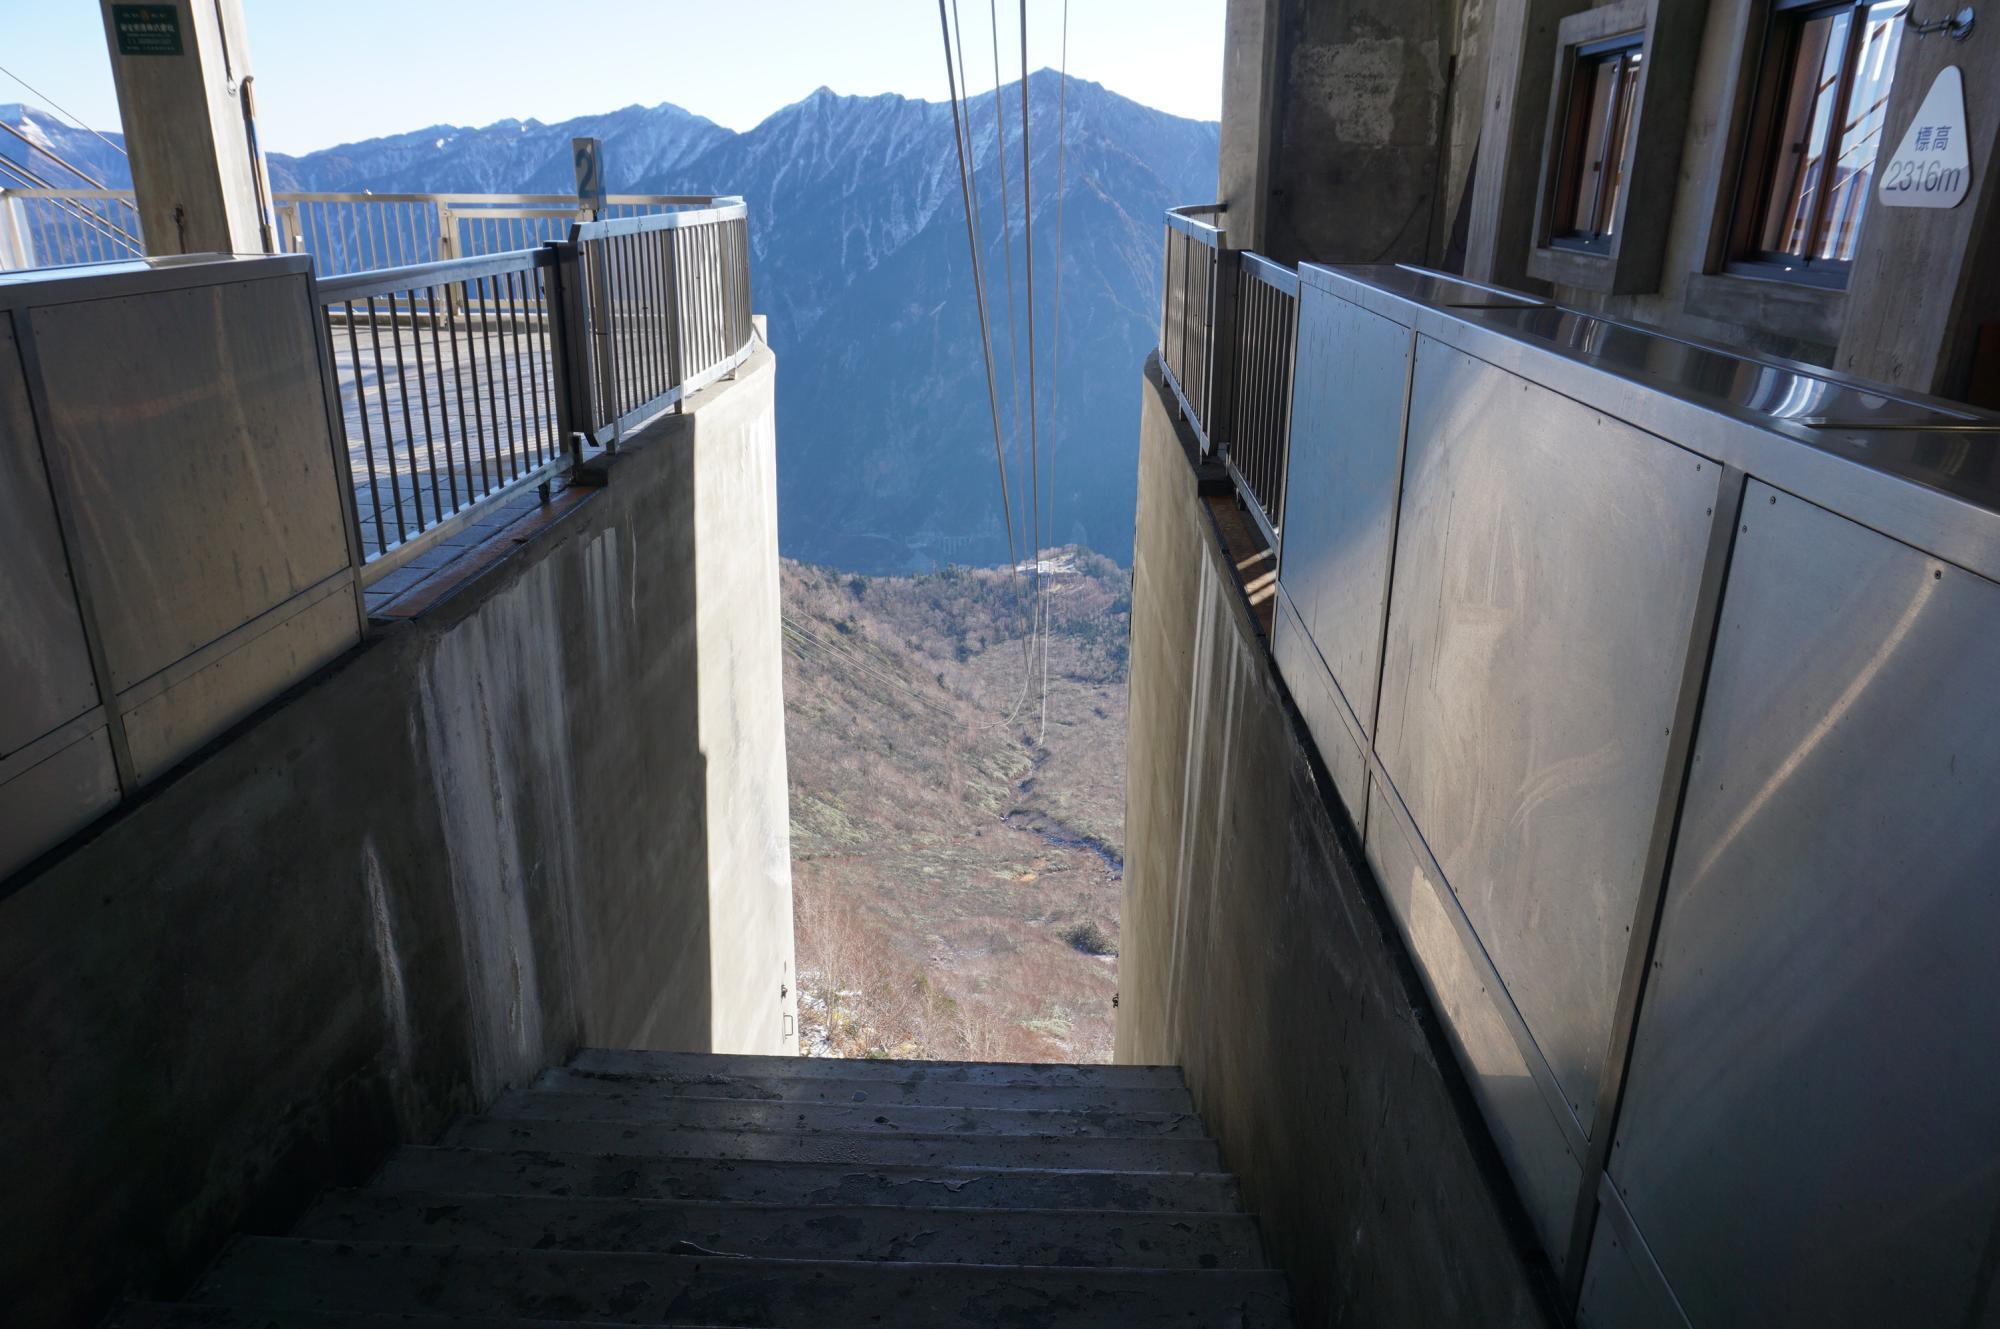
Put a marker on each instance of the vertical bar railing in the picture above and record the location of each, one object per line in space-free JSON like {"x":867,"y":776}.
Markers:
{"x":451,"y":392}
{"x":1262,"y":350}
{"x":1196,"y":297}
{"x":668,"y":301}
{"x":343,"y":232}
{"x":465,"y":381}
{"x":57,"y":227}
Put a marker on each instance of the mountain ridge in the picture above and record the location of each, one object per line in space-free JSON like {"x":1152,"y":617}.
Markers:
{"x":859,"y":257}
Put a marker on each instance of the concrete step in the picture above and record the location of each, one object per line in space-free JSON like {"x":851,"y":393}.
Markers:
{"x":1113,"y":1153}
{"x":733,"y":1114}
{"x":611,"y":1174}
{"x":156,"y":1315}
{"x":860,"y":1089}
{"x":603,"y":1060}
{"x":1076,"y":1238}
{"x":277,"y":1274}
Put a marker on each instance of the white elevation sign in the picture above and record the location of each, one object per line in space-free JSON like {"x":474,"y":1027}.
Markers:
{"x":1932,"y":168}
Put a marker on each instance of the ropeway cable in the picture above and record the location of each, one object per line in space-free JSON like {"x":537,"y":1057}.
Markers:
{"x":1055,"y":350}
{"x":1007,"y":254}
{"x":959,"y":140}
{"x":77,"y":119}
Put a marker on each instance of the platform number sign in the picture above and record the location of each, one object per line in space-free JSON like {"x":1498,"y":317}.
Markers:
{"x":1932,"y":168}
{"x":589,"y":154}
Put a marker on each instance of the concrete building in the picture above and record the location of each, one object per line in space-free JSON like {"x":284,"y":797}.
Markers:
{"x":395,"y":873}
{"x":1435,"y":133}
{"x":1568,"y":536}
{"x":1559,"y":810}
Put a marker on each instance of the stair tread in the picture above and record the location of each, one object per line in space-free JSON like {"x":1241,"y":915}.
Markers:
{"x":1165,"y":1154}
{"x":861,"y":1089}
{"x":666,"y":1176}
{"x":191,"y":1315}
{"x":835,"y":1068}
{"x":279,"y":1273}
{"x":913,"y":1119}
{"x":1075,"y":1238}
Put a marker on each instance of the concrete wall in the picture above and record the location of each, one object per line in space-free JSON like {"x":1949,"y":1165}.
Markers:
{"x":1914,"y":301}
{"x":196,"y":173}
{"x":1333,"y":124}
{"x":549,"y":812}
{"x":1360,"y":131}
{"x":1257,"y":954}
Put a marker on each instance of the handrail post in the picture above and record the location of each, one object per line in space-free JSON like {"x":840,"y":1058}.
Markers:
{"x":17,"y":240}
{"x":600,"y":332}
{"x":679,"y":358}
{"x":571,"y":357}
{"x":1220,"y":398}
{"x":447,"y":246}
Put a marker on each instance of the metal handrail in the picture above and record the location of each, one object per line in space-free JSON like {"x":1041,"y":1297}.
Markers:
{"x":464,"y":381}
{"x":727,"y":208}
{"x":1263,"y":344}
{"x":495,"y":200}
{"x":1188,"y":218}
{"x":357,"y":285}
{"x":452,"y":393}
{"x":1228,"y":349}
{"x":343,"y":231}
{"x":1193,"y":300}
{"x":667,"y":308}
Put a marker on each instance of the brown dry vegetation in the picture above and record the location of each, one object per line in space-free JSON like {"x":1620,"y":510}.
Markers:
{"x":946,"y":862}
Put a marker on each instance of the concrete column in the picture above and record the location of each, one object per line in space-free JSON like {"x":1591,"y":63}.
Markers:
{"x":1521,"y":50}
{"x":1926,"y":279}
{"x":1348,"y":122}
{"x":182,"y":69}
{"x":1249,"y":80}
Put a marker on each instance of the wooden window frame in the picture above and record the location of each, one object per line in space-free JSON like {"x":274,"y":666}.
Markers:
{"x":1571,"y":152}
{"x":1630,"y":259}
{"x":1770,"y":73}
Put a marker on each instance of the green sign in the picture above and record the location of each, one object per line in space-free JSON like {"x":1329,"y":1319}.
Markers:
{"x":147,"y":29}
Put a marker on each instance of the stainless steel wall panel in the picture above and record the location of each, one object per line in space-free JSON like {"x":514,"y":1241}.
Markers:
{"x":1347,"y":432}
{"x":50,"y":797}
{"x":1334,"y":731}
{"x":1622,"y":1286}
{"x":194,"y":438}
{"x":1548,"y":562}
{"x":45,"y":673}
{"x":1811,"y":1132}
{"x":1530,"y":1140}
{"x":230,"y":682}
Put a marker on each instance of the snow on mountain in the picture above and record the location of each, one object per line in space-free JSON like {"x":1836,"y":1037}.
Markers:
{"x":858,"y":241}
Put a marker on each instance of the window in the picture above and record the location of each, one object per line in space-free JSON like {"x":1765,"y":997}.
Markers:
{"x":1816,"y":129}
{"x":1617,"y":111}
{"x":1603,"y":98}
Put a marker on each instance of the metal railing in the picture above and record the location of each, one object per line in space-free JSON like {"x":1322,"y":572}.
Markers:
{"x":466,"y":381}
{"x":46,"y":228}
{"x":669,"y":297}
{"x":451,"y":389}
{"x":343,"y":232}
{"x":1188,"y":316}
{"x":361,"y":232}
{"x":1264,"y":343}
{"x":1228,"y":345}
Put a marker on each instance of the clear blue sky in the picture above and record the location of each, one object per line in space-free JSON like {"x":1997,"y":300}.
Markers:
{"x":331,"y":71}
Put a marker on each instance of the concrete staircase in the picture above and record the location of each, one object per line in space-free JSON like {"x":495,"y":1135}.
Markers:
{"x":697,"y":1189}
